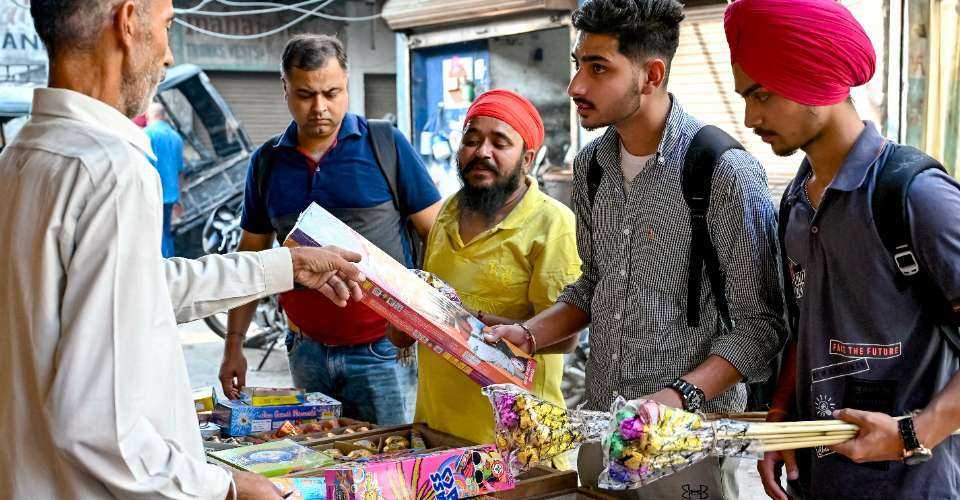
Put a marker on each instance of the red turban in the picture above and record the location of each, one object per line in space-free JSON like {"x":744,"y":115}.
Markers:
{"x":809,"y":51}
{"x":512,"y":109}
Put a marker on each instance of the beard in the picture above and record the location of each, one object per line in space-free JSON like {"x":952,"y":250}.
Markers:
{"x":488,"y":200}
{"x":140,"y":80}
{"x":628,"y":105}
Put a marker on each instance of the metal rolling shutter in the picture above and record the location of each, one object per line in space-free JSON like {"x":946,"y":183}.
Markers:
{"x":256,"y":98}
{"x":701,"y":79}
{"x":380,"y":95}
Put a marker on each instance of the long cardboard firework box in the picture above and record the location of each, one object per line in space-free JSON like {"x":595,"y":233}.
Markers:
{"x":415,"y":307}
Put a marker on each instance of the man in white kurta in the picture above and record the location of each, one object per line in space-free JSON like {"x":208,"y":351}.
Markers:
{"x":94,"y":396}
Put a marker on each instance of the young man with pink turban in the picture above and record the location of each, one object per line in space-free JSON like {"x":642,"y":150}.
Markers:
{"x":506,"y":247}
{"x":870,"y":331}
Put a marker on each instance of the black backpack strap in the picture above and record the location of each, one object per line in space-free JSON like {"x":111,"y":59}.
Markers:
{"x":706,"y":148}
{"x":890,"y":215}
{"x":264,"y":167}
{"x":594,"y":176}
{"x":890,"y":205}
{"x":789,"y":294}
{"x":385,"y":150}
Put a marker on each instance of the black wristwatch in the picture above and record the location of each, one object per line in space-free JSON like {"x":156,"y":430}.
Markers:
{"x":914,"y":452}
{"x":693,"y":398}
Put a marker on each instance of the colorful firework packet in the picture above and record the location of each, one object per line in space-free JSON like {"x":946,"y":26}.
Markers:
{"x":420,"y":309}
{"x":647,"y":441}
{"x":530,"y":430}
{"x":454,"y":473}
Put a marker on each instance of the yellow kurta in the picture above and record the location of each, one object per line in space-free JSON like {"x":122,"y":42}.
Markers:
{"x":514,"y":270}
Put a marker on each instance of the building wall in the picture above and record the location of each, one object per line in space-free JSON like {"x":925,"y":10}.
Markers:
{"x":371,"y":48}
{"x":536,"y":65}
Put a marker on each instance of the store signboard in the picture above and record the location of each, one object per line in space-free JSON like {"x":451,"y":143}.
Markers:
{"x":22,"y":55}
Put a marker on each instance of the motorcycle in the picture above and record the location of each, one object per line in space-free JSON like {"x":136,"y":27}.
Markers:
{"x":221,"y":234}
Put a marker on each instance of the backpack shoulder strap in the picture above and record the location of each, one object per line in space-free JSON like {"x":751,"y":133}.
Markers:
{"x":385,"y":151}
{"x":890,"y":204}
{"x":594,"y":174}
{"x":264,"y":166}
{"x":892,"y":221}
{"x":789,"y":292}
{"x":706,"y":148}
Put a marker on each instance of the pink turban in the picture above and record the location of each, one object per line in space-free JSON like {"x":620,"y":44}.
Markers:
{"x":809,"y":51}
{"x":513,"y":109}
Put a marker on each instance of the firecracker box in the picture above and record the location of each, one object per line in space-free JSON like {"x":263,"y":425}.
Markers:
{"x":204,"y":399}
{"x":453,"y":473}
{"x":301,"y":488}
{"x":274,"y":458}
{"x":273,"y":396}
{"x":416,"y":308}
{"x":237,"y":417}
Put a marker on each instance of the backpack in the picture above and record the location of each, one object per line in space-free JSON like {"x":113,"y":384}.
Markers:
{"x":385,"y":152}
{"x":893,"y":226}
{"x":706,"y":148}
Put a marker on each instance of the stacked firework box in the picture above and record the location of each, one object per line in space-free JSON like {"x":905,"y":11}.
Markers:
{"x":416,"y":308}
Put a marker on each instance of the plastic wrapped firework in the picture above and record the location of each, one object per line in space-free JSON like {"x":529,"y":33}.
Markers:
{"x":530,"y":430}
{"x":649,"y":441}
{"x":438,"y":284}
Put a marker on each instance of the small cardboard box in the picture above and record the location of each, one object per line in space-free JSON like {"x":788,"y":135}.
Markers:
{"x":415,"y":307}
{"x":204,"y":399}
{"x":302,"y":488}
{"x":455,"y":473}
{"x":273,"y":396}
{"x":273,"y":459}
{"x":240,"y":418}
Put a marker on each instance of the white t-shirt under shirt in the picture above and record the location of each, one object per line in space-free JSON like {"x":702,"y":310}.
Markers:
{"x":631,"y":165}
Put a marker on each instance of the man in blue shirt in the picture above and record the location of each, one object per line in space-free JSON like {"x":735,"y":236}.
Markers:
{"x":168,"y":147}
{"x":327,"y":156}
{"x":868,"y":344}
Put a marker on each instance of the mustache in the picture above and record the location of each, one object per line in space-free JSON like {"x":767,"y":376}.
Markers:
{"x":583,"y":102}
{"x":763,"y":131}
{"x":476,"y":163}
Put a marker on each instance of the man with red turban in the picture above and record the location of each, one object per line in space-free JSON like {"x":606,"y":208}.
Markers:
{"x":505,"y":246}
{"x":871,"y":320}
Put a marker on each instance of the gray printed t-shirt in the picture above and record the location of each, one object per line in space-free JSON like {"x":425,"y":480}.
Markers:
{"x":864,"y":342}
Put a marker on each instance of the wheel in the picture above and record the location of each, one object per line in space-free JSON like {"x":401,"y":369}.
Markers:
{"x":221,"y":234}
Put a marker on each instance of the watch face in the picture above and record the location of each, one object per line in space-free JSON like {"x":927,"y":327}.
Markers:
{"x":695,"y":400}
{"x":918,"y":456}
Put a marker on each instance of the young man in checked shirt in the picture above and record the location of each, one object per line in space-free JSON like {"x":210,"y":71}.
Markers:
{"x":634,"y":240}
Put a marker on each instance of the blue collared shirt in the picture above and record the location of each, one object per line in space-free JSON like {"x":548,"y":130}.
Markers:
{"x":347,"y":177}
{"x":168,"y":148}
{"x":865,"y":342}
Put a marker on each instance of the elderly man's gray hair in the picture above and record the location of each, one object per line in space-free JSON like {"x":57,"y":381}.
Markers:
{"x":71,"y":23}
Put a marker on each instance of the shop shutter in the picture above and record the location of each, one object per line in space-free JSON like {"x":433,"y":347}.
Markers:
{"x":256,"y":99}
{"x":379,"y":95}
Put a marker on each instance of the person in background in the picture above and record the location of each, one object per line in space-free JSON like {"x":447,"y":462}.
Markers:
{"x":167,"y":146}
{"x":328,"y":156}
{"x":96,"y":398}
{"x":508,"y":250}
{"x":869,"y":343}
